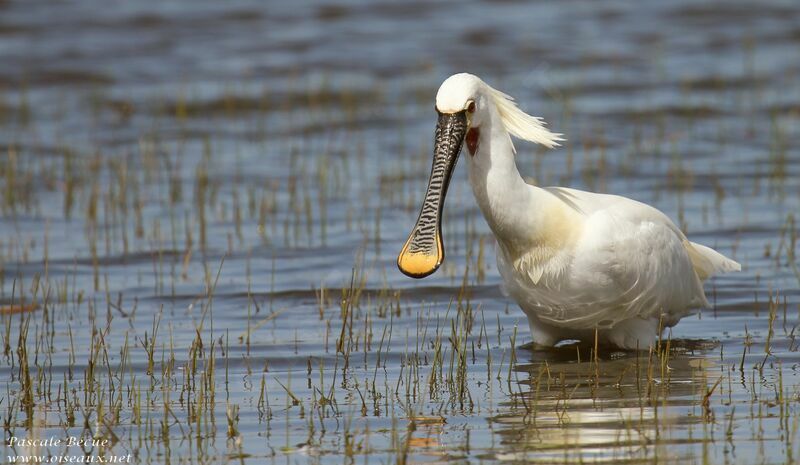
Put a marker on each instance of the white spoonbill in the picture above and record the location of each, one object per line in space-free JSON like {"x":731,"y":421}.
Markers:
{"x":577,"y":263}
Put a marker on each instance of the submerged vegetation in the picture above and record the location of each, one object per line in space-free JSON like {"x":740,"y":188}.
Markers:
{"x":203,"y":271}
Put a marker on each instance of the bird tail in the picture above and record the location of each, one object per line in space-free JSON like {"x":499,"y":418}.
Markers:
{"x":708,"y":262}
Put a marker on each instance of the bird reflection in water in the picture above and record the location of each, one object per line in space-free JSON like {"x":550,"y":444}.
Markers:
{"x":567,"y":406}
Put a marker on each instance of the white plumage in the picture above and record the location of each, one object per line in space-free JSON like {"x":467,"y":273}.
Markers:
{"x":576,"y":262}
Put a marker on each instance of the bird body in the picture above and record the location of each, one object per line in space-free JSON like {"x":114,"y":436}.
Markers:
{"x":579,"y":264}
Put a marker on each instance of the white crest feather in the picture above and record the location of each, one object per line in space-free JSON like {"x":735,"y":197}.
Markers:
{"x":520,"y":124}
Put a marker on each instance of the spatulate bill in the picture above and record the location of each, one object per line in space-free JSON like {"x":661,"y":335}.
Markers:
{"x":423,"y":252}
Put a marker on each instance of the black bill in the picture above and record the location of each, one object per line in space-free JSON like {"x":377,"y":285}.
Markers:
{"x":424,"y":251}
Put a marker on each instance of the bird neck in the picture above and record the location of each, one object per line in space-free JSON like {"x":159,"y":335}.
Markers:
{"x":508,"y":203}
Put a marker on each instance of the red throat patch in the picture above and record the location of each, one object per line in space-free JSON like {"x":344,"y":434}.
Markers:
{"x":473,"y":136}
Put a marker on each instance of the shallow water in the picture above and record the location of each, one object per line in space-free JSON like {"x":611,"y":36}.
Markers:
{"x":206,"y":200}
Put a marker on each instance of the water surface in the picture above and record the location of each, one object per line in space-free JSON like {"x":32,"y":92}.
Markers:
{"x":205,"y":201}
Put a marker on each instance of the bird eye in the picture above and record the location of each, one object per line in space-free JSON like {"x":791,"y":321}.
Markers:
{"x":471,"y":107}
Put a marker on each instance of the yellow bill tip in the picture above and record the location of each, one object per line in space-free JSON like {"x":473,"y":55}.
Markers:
{"x":419,"y":265}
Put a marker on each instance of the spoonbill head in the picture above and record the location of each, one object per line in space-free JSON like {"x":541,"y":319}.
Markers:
{"x":579,"y":264}
{"x":466,"y":107}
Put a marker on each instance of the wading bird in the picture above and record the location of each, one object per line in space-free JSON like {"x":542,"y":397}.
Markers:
{"x":581,"y":265}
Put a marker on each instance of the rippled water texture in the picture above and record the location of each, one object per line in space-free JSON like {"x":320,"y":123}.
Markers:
{"x":202,"y":203}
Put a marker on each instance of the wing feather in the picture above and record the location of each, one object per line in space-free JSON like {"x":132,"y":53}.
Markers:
{"x":631,"y":260}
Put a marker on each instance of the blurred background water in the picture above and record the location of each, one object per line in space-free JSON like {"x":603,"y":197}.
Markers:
{"x":221,"y":188}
